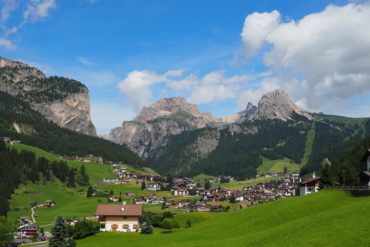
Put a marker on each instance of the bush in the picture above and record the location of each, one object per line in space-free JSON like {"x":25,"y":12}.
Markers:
{"x":167,"y":215}
{"x":85,"y":228}
{"x":169,"y":224}
{"x":188,"y":224}
{"x":157,"y":219}
{"x":146,"y":224}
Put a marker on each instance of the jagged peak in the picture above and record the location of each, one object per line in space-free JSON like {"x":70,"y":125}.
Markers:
{"x":165,"y":107}
{"x":277,"y":105}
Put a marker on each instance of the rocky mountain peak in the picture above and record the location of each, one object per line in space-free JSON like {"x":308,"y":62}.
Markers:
{"x":165,"y":107}
{"x":9,"y":63}
{"x":20,"y":71}
{"x":61,"y":100}
{"x":248,"y":113}
{"x":277,"y":105}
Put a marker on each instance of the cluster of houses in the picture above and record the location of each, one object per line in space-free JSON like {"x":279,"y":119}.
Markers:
{"x":87,"y":159}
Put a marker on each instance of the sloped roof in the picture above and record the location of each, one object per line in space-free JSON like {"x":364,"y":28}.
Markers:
{"x":119,"y":210}
{"x":366,"y":173}
{"x":310,"y":180}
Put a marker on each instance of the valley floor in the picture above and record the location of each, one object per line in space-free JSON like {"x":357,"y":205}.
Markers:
{"x":327,"y":218}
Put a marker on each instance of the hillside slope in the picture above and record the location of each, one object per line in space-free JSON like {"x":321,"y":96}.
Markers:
{"x":19,"y":121}
{"x":174,"y":137}
{"x":328,"y":218}
{"x":61,"y":100}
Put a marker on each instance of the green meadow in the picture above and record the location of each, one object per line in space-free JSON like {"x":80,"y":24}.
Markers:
{"x":327,"y":218}
{"x":277,"y":166}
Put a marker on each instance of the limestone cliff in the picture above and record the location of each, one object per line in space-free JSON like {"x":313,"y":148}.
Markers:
{"x":61,"y":100}
{"x":150,"y":130}
{"x":277,"y":105}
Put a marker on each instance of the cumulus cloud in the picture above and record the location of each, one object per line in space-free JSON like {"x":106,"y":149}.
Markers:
{"x":215,"y":86}
{"x":212,"y":87}
{"x":256,"y":28}
{"x":137,"y":85}
{"x":324,"y":56}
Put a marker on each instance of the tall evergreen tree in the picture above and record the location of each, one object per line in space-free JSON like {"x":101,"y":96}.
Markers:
{"x":207,"y":184}
{"x":61,"y":236}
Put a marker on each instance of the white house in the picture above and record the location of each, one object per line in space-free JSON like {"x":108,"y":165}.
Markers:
{"x":179,"y":192}
{"x":154,"y":187}
{"x":119,"y":218}
{"x":309,"y":186}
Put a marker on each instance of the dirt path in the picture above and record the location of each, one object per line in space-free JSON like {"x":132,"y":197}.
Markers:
{"x":33,"y":214}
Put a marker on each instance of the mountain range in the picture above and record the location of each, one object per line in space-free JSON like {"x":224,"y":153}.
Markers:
{"x":174,"y":137}
{"x":171,"y":135}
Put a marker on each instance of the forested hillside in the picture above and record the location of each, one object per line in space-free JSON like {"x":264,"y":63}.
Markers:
{"x":239,"y":149}
{"x":19,"y":121}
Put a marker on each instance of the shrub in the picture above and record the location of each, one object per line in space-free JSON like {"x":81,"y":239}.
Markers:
{"x":85,"y":228}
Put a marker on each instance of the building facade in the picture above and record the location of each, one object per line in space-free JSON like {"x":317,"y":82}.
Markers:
{"x":119,"y":218}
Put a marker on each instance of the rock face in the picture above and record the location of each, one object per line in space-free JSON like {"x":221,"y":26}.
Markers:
{"x":248,"y":113}
{"x":277,"y":105}
{"x":150,"y":130}
{"x":63,"y":101}
{"x":165,"y":107}
{"x":148,"y":134}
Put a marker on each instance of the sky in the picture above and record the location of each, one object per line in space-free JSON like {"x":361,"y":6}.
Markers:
{"x":217,"y":54}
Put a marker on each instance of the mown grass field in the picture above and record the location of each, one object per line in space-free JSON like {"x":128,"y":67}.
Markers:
{"x":327,"y":218}
{"x":277,"y":166}
{"x":249,"y":182}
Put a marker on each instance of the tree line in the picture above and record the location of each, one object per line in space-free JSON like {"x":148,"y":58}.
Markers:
{"x":39,"y":132}
{"x":20,"y":167}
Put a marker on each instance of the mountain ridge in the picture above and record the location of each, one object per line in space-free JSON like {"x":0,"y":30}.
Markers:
{"x":61,"y":100}
{"x":181,"y":142}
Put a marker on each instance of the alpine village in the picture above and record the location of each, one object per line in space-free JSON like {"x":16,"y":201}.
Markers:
{"x":174,"y":174}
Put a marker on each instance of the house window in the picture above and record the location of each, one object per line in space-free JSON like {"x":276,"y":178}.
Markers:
{"x":134,"y":227}
{"x":102,"y":226}
{"x":125,"y":226}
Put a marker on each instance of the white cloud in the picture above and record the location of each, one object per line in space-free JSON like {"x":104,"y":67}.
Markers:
{"x":256,"y":27}
{"x":38,"y":9}
{"x":319,"y":58}
{"x":7,"y":44}
{"x":137,"y":85}
{"x":215,"y":87}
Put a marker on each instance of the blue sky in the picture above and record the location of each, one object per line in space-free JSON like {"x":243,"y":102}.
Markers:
{"x":131,"y":53}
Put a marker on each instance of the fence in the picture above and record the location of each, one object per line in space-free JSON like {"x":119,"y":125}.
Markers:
{"x":354,"y":190}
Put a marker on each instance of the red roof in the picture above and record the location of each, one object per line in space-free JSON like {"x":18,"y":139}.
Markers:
{"x":119,"y":210}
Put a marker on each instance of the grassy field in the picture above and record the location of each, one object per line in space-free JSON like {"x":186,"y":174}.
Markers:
{"x":69,"y":202}
{"x":327,"y":218}
{"x":309,"y":142}
{"x":201,"y":177}
{"x":277,"y":166}
{"x":96,"y":171}
{"x":243,"y":183}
